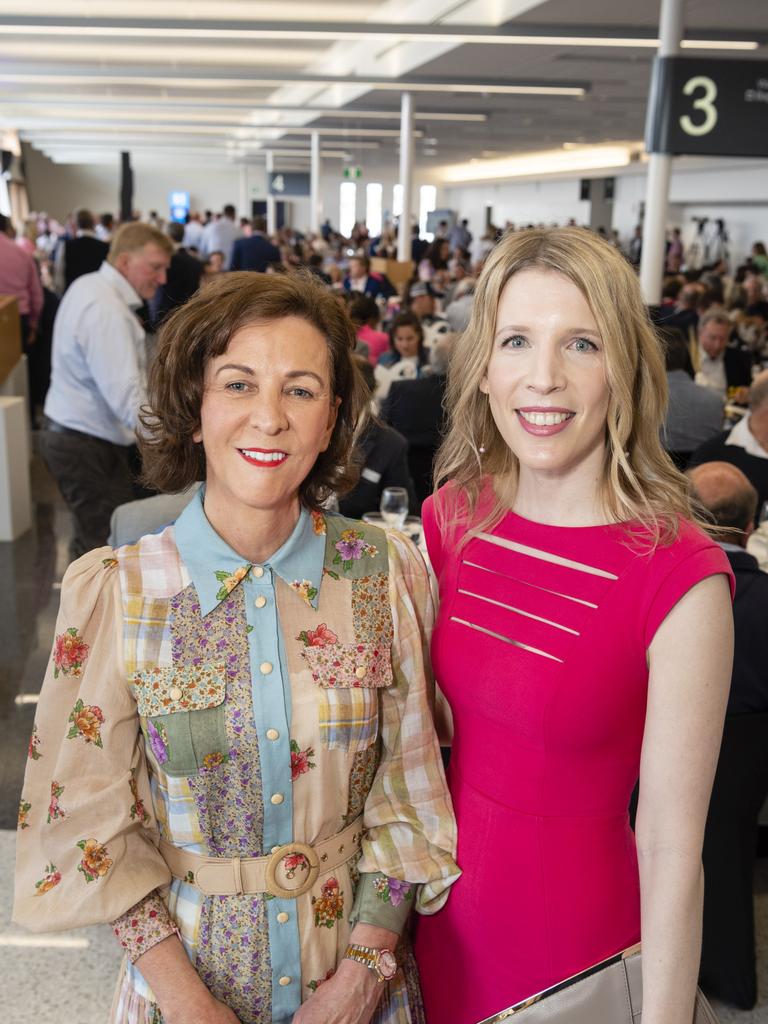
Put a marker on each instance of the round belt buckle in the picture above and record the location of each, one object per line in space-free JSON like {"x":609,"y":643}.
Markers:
{"x":274,"y":888}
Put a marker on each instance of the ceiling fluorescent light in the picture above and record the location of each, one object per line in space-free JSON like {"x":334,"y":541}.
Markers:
{"x":209,"y":82}
{"x":369,"y":31}
{"x":534,"y":164}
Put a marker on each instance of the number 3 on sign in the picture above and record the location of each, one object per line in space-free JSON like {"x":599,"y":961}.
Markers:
{"x":705,"y":103}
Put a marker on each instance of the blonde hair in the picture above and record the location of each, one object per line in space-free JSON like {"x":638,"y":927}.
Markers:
{"x":134,"y":236}
{"x":639,"y":481}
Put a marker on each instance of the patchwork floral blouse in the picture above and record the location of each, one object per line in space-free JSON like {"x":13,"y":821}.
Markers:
{"x":228,"y":709}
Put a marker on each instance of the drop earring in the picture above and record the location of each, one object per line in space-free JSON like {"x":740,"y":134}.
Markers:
{"x":481,"y":449}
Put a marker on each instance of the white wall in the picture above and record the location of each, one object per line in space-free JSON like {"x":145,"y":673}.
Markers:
{"x":61,"y":188}
{"x":736,"y":190}
{"x":553,"y":200}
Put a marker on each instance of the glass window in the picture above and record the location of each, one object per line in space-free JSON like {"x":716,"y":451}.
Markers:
{"x":347,"y":207}
{"x":397,"y":200}
{"x":427,"y":203}
{"x":374,"y":193}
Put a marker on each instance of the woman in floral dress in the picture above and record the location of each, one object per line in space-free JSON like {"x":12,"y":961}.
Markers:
{"x":233,"y":760}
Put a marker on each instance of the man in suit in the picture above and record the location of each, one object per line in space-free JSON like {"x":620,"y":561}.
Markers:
{"x":746,"y":444}
{"x":741,"y":780}
{"x":694,"y":413}
{"x":256,"y":252}
{"x":182,"y":278}
{"x":415,"y":409}
{"x":723,"y":365}
{"x":80,"y":255}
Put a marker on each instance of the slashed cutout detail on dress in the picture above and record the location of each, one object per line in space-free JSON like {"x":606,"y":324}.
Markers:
{"x":545,"y":556}
{"x":505,"y":639}
{"x":519,"y":611}
{"x":526,"y":583}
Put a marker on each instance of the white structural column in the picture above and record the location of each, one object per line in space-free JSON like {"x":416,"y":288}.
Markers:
{"x":271,"y":201}
{"x":315,"y":211}
{"x":243,"y":206}
{"x":406,"y":176}
{"x":659,"y":173}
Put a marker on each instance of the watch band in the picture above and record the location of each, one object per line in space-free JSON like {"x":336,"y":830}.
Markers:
{"x":372,"y":959}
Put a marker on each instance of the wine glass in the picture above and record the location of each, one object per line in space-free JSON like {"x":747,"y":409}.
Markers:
{"x":394,"y":507}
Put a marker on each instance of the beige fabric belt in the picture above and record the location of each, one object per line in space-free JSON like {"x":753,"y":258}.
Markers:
{"x":234,"y":876}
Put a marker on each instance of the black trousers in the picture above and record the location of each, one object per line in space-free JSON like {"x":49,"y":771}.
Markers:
{"x":94,"y":477}
{"x":730,"y":841}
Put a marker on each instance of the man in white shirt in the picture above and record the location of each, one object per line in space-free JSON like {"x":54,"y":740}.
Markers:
{"x":98,"y":380}
{"x":220,"y":235}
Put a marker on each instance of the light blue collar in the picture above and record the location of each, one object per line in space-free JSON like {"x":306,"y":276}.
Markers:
{"x":216,"y":570}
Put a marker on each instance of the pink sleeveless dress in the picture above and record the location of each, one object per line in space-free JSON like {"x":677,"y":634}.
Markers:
{"x":540,"y":648}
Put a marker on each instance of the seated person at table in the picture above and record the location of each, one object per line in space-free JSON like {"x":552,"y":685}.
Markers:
{"x":383,"y":454}
{"x":741,"y":781}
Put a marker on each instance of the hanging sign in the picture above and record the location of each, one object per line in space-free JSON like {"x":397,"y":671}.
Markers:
{"x":288,"y":183}
{"x":703,"y":107}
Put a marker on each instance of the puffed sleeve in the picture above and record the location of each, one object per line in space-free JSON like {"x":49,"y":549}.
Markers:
{"x":409,"y":852}
{"x":87,"y":840}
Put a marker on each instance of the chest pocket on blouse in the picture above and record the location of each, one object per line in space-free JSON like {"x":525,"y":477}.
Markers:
{"x":182,"y":712}
{"x":349,"y":678}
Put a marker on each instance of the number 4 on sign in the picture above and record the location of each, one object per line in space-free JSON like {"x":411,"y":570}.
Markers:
{"x":705,"y":103}
{"x":278,"y":183}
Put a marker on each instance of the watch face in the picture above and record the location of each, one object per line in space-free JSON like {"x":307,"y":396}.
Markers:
{"x":387,"y":964}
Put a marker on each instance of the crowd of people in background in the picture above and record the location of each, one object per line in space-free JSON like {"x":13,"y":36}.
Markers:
{"x":713,"y":318}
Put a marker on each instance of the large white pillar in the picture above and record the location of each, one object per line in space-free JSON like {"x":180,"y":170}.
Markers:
{"x":315,"y":211}
{"x":406,"y":176}
{"x":659,"y":173}
{"x":271,"y":201}
{"x":243,"y":206}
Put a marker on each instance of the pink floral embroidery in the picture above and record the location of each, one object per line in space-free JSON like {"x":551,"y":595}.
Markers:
{"x":34,"y":743}
{"x":54,"y":811}
{"x":300,"y":760}
{"x":49,"y":881}
{"x":69,"y":654}
{"x":293,"y":862}
{"x":320,"y":637}
{"x":138,"y":811}
{"x":24,"y":809}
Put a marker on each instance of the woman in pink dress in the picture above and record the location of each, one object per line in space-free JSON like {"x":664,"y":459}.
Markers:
{"x":584,"y":640}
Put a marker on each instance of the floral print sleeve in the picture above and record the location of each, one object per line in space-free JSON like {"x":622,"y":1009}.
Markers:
{"x":143,"y":926}
{"x":87,"y":844}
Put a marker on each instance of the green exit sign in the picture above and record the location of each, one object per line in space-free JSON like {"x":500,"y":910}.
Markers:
{"x":353,"y":172}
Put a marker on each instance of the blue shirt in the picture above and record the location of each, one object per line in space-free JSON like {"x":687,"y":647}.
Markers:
{"x":210,"y":562}
{"x":98,"y":362}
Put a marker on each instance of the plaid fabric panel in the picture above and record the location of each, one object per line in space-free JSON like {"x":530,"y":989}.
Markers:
{"x":152,"y":567}
{"x":176,"y":812}
{"x":185,"y":903}
{"x":348,"y":717}
{"x":146,"y":633}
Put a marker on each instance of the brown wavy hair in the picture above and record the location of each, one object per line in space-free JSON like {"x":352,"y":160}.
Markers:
{"x":639,"y":481}
{"x":201,"y":330}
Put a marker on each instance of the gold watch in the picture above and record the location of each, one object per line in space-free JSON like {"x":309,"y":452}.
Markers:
{"x":381,"y":961}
